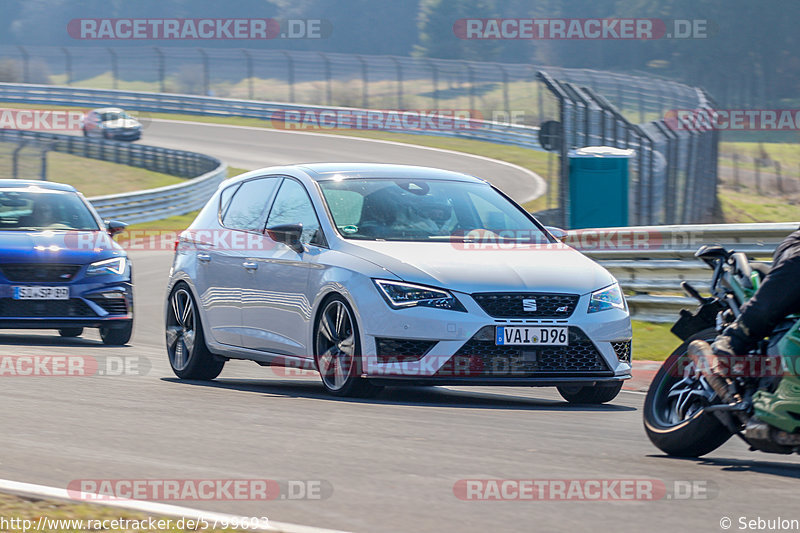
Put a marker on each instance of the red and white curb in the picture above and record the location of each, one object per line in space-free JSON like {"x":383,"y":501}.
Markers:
{"x":151,"y":508}
{"x":643,"y":373}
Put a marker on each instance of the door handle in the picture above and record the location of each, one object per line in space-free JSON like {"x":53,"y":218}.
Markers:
{"x":203,"y":257}
{"x":250,"y":265}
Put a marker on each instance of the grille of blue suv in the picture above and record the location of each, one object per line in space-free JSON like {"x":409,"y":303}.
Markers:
{"x":526,"y":305}
{"x":112,"y":306}
{"x":74,"y":307}
{"x":39,"y":272}
{"x":483,"y":358}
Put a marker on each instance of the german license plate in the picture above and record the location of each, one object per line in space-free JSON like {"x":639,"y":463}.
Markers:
{"x":531,"y":336}
{"x":41,"y":293}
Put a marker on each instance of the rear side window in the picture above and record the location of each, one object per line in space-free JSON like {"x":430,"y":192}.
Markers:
{"x":247,"y":208}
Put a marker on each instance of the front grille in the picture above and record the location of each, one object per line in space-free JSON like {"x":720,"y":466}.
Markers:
{"x":511,"y":305}
{"x":112,"y":306}
{"x":399,"y":350}
{"x":478,"y":358}
{"x":74,"y":307}
{"x":40,"y":272}
{"x":623,"y":350}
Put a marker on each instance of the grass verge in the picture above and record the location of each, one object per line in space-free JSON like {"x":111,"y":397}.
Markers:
{"x":653,"y":342}
{"x":22,"y":513}
{"x":94,"y":177}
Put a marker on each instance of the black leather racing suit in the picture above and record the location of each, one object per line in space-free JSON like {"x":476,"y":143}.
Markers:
{"x":777,"y":296}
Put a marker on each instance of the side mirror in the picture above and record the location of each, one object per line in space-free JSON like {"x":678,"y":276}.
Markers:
{"x":288,"y":234}
{"x":558,"y":233}
{"x":115,"y":227}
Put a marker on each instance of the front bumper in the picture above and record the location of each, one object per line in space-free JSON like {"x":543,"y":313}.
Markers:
{"x":86,"y":307}
{"x":125,"y":135}
{"x":439,"y":347}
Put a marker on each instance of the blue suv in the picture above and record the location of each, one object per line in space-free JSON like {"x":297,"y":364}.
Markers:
{"x":59,"y":265}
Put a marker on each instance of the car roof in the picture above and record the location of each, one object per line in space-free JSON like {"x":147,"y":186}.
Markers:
{"x":108,"y":110}
{"x":329,"y":171}
{"x":28,"y":184}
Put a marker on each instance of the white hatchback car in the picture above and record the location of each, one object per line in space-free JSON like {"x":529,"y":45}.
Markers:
{"x":390,"y":274}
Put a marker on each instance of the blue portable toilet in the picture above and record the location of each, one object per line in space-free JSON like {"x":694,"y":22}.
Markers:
{"x":598,"y":186}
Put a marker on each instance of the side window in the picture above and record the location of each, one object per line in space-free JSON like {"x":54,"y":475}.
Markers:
{"x":247,"y":208}
{"x":292,"y":206}
{"x":225,"y":199}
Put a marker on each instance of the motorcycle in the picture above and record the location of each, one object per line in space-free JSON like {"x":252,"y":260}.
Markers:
{"x":689,"y":411}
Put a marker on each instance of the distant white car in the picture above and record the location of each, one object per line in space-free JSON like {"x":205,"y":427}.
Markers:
{"x":381,"y":274}
{"x":111,"y":123}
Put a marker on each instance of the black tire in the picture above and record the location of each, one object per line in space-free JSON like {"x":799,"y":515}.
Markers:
{"x":596,"y":394}
{"x":697,"y":435}
{"x":70,"y":332}
{"x":189,"y":359}
{"x":116,"y":336}
{"x":350,"y":365}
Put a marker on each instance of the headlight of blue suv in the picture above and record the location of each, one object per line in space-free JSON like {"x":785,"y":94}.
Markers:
{"x":609,"y":298}
{"x":399,"y":295}
{"x":115,"y":265}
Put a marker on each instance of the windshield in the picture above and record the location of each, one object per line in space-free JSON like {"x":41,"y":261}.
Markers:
{"x":424,"y":210}
{"x":44,"y":210}
{"x":113,"y":115}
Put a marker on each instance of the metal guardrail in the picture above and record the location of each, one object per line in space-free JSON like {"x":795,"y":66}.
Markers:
{"x":496,"y":132}
{"x":206,"y":174}
{"x":651,"y":271}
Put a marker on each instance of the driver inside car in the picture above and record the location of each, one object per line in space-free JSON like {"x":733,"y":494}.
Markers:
{"x":44,"y":214}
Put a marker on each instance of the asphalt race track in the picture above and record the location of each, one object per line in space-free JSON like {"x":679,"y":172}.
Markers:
{"x":393,"y":461}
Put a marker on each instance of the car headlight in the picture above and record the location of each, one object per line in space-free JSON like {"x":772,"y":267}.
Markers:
{"x":115,"y":265}
{"x":609,"y":298}
{"x":399,"y":295}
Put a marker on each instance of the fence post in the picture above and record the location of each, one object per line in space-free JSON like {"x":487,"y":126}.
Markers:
{"x":364,"y":83}
{"x":290,"y":71}
{"x":248,"y":59}
{"x":67,"y":65}
{"x":204,"y":55}
{"x":15,"y":159}
{"x":506,"y":105}
{"x":399,"y":71}
{"x":160,"y":68}
{"x":25,"y":65}
{"x":471,"y":81}
{"x":435,"y":78}
{"x":328,"y":91}
{"x":114,"y":72}
{"x":43,"y":171}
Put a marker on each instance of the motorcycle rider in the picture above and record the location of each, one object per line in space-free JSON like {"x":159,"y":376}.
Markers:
{"x":777,"y":296}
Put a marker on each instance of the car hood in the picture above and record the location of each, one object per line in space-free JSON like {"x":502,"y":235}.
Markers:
{"x":121,"y":123}
{"x":542,"y":268}
{"x":75,"y":247}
